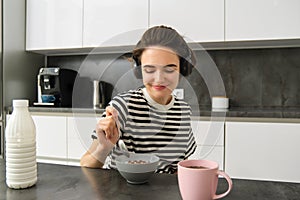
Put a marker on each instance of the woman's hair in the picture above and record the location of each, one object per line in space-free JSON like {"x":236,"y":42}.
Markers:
{"x":163,"y":36}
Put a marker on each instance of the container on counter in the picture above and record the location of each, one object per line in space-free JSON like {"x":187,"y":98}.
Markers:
{"x":20,"y":151}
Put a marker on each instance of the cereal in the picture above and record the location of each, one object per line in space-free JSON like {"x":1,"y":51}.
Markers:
{"x":137,"y":162}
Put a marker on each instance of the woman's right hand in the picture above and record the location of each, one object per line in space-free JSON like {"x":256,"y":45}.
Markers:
{"x":107,"y":128}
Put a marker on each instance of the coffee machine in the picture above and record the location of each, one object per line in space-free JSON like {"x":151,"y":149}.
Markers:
{"x":55,"y":86}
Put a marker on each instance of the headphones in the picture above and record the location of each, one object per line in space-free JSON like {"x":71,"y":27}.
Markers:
{"x":186,"y":66}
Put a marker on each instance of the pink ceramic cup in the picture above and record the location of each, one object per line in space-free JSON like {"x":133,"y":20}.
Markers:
{"x":195,"y":183}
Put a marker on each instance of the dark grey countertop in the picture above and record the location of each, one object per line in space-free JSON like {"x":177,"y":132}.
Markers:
{"x":67,"y":182}
{"x":254,"y":112}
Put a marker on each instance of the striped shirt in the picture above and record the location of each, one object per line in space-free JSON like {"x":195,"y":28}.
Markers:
{"x":148,"y":127}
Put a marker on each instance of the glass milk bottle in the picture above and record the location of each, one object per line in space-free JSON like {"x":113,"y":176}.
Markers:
{"x":20,"y":142}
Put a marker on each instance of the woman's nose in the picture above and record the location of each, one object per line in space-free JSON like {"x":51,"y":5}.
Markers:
{"x":159,"y":76}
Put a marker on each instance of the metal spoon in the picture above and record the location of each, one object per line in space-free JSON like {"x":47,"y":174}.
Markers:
{"x":123,"y":148}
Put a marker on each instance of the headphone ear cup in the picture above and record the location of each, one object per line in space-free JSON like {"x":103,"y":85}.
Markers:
{"x":185,"y":67}
{"x":137,"y":70}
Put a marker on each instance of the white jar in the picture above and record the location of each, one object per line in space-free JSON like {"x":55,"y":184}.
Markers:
{"x":20,"y":151}
{"x":220,"y":102}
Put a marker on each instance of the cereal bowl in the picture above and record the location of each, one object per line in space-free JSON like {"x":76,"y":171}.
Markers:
{"x":137,"y":168}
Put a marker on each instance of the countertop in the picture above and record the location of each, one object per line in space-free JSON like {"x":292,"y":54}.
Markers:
{"x":247,"y":112}
{"x":71,"y":183}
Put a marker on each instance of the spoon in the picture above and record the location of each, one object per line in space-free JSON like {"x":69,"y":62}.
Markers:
{"x":123,"y":148}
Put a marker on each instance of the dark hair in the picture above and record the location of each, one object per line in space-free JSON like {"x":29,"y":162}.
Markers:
{"x":165,"y":37}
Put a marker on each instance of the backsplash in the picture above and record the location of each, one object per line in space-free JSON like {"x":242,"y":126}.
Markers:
{"x":260,"y":78}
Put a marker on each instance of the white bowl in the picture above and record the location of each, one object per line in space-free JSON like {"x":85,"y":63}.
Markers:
{"x":137,"y":173}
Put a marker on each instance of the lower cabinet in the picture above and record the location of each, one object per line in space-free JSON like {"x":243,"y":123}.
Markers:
{"x":79,"y":131}
{"x":209,"y":137}
{"x":63,"y":139}
{"x":51,"y":138}
{"x":263,"y":151}
{"x":244,"y":150}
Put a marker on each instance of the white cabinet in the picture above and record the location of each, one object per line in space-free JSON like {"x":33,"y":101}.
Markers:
{"x":198,"y":20}
{"x":63,"y":139}
{"x":51,"y":138}
{"x":54,"y":24}
{"x":262,"y":20}
{"x":263,"y":151}
{"x":79,"y":134}
{"x":114,"y":22}
{"x":209,"y":137}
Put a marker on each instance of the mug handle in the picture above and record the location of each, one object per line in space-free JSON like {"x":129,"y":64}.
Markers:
{"x":229,"y":181}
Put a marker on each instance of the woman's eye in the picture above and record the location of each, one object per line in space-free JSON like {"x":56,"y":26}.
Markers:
{"x":169,"y":70}
{"x":147,"y":70}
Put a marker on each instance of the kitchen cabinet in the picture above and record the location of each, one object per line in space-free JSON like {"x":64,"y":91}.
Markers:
{"x":51,"y":138}
{"x":79,"y":130}
{"x":54,"y":24}
{"x":262,"y":20}
{"x":209,"y":136}
{"x":63,"y":139}
{"x":263,"y":151}
{"x":76,"y":26}
{"x":197,"y":20}
{"x":114,"y":23}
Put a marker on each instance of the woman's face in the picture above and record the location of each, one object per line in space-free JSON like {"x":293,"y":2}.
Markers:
{"x":160,"y":70}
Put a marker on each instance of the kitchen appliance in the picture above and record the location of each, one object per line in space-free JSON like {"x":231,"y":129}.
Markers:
{"x":89,"y":93}
{"x":56,"y":83}
{"x":102,"y":92}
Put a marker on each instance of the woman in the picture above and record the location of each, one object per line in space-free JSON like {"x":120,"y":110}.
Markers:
{"x":149,"y":119}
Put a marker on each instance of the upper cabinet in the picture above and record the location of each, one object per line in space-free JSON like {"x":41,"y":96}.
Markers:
{"x":78,"y":25}
{"x":262,"y":20}
{"x":54,"y":24}
{"x":114,"y":22}
{"x":197,"y":20}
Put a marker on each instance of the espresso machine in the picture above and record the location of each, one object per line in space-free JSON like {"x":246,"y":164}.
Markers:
{"x":55,"y":86}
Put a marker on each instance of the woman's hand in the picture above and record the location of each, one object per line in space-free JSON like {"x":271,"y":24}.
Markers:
{"x":107,"y":128}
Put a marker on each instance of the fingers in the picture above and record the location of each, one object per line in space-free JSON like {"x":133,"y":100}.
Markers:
{"x":111,"y":111}
{"x":107,"y":127}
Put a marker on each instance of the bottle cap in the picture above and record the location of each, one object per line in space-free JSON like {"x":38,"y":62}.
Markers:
{"x":20,"y":102}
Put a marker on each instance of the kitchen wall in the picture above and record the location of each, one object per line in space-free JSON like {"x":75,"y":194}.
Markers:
{"x":260,"y":78}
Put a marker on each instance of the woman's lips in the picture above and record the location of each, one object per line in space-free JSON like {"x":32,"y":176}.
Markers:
{"x":159,"y":87}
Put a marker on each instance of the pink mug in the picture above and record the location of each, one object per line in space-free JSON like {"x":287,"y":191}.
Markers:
{"x":198,"y":179}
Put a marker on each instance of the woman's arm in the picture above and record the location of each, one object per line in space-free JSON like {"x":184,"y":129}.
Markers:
{"x":107,"y":136}
{"x":91,"y":157}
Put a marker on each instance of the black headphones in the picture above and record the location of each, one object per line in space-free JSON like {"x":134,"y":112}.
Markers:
{"x":186,"y":66}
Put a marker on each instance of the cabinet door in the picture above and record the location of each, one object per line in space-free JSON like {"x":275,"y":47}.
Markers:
{"x":197,"y":20}
{"x":113,"y":23}
{"x":51,"y":137}
{"x":209,"y":137}
{"x":262,"y":20}
{"x":79,"y":131}
{"x":54,"y":24}
{"x":263,"y":151}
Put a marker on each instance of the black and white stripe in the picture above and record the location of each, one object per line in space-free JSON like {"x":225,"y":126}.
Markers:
{"x":145,"y":129}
